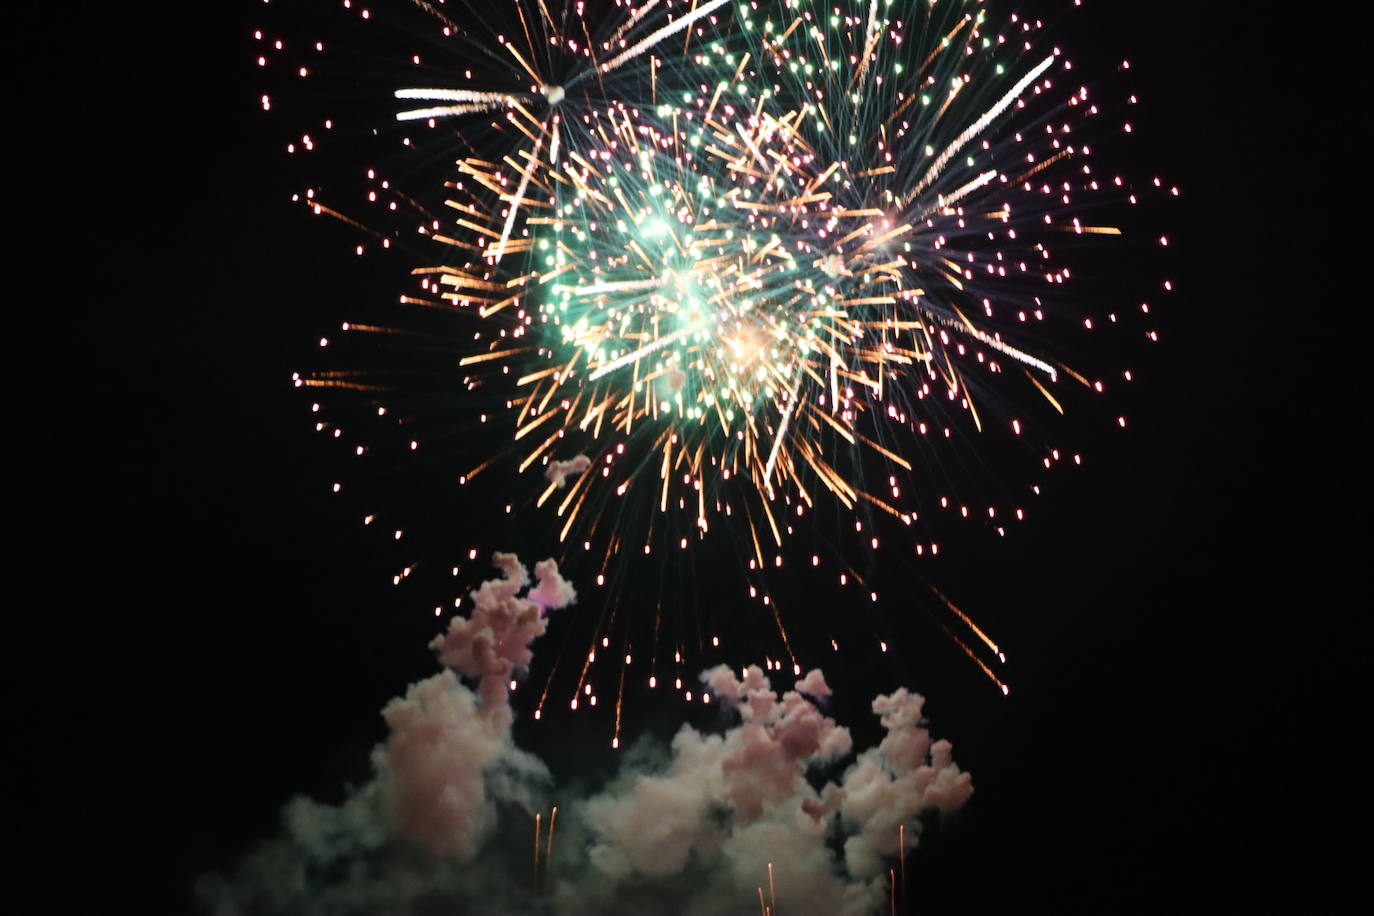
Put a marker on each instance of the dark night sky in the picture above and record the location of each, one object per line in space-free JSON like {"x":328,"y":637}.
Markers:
{"x":202,"y":632}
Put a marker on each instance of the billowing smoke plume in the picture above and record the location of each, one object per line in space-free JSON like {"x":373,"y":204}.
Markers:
{"x":692,"y":831}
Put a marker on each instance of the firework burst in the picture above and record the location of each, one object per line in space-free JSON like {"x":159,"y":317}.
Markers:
{"x":764,"y":280}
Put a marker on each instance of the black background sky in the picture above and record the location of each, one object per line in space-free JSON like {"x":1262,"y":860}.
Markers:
{"x":199,"y":632}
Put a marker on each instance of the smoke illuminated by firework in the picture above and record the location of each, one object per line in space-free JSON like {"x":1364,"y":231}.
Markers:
{"x":700,"y":827}
{"x":743,"y":267}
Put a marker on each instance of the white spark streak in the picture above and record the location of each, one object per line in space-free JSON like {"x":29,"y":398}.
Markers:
{"x":634,"y":18}
{"x":977,"y":127}
{"x":782,"y":429}
{"x":948,"y":200}
{"x":514,"y":206}
{"x":444,"y":111}
{"x":615,"y":286}
{"x":671,"y":28}
{"x":643,"y":351}
{"x":870,"y":40}
{"x":472,"y":101}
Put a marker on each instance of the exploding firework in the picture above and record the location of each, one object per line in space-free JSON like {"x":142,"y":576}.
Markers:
{"x":789,"y":281}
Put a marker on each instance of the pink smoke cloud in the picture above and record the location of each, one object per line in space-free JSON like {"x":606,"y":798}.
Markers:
{"x":695,"y":835}
{"x":444,"y":739}
{"x":494,"y":642}
{"x":741,"y":801}
{"x":558,"y":472}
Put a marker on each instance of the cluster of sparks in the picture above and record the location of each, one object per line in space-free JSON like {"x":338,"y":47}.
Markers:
{"x":730,"y":259}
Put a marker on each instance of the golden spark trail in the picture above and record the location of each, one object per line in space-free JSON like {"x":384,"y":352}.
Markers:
{"x":537,"y":816}
{"x":484,"y":357}
{"x":987,"y":640}
{"x":548,"y":852}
